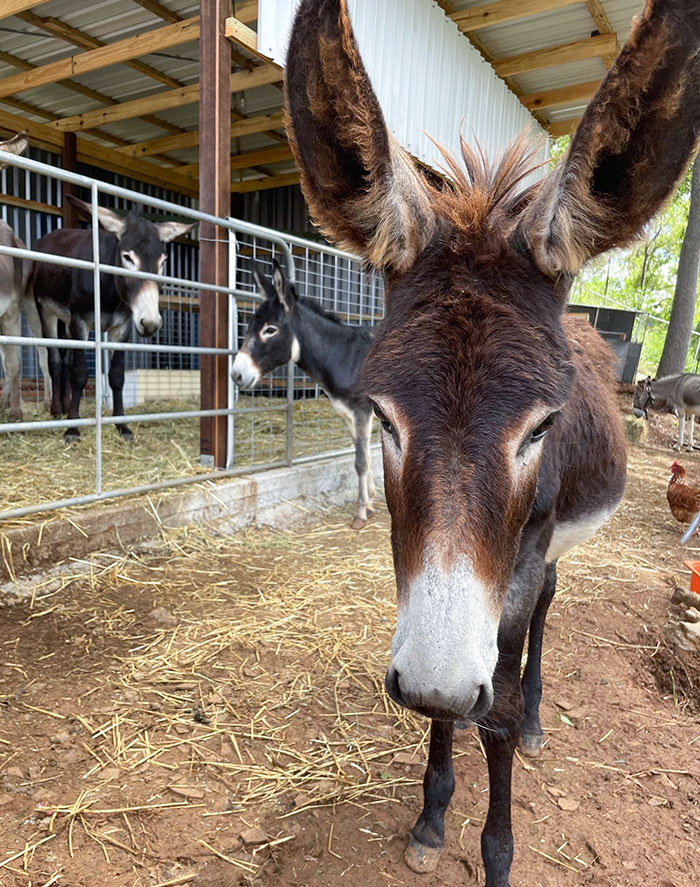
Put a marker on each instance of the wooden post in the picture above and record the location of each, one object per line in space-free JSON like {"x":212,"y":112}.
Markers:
{"x":214,"y":198}
{"x":69,"y":162}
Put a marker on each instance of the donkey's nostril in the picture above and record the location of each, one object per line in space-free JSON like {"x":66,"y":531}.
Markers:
{"x":484,"y":700}
{"x":393,"y":687}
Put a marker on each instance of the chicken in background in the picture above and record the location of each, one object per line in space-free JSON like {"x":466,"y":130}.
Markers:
{"x":683,"y":499}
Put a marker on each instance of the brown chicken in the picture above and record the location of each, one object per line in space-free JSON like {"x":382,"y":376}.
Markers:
{"x":683,"y":500}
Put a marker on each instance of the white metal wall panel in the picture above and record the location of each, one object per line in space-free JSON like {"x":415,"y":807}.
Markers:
{"x":428,"y":77}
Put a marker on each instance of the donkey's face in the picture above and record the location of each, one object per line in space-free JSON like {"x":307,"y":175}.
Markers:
{"x":16,"y":145}
{"x":470,"y":367}
{"x":642,"y":398}
{"x":269,"y":340}
{"x":140,"y":247}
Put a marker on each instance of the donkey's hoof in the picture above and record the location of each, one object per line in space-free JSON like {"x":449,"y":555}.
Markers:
{"x":358,"y":523}
{"x":126,"y":434}
{"x":420,"y":858}
{"x":71,"y":435}
{"x":530,"y":745}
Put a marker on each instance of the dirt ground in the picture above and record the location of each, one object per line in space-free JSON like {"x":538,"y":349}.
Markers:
{"x":209,"y":710}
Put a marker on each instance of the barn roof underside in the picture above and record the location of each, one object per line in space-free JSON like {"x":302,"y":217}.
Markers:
{"x":123,"y":75}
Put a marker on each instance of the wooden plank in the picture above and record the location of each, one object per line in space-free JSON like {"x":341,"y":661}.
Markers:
{"x":247,"y":160}
{"x":595,"y":7}
{"x":247,"y":11}
{"x":69,"y":161}
{"x":13,"y":7}
{"x":111,"y":54}
{"x":161,"y":101}
{"x":281,"y":181}
{"x":240,"y":33}
{"x":592,"y":47}
{"x":550,"y":98}
{"x":70,"y":34}
{"x":23,"y":203}
{"x":562,"y":127}
{"x":502,"y":11}
{"x":214,"y":198}
{"x":160,"y":11}
{"x":247,"y":126}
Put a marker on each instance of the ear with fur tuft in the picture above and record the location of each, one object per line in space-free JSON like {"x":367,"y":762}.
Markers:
{"x":285,"y":291}
{"x":168,"y":231}
{"x":109,"y":220}
{"x":18,"y":144}
{"x":265,"y":290}
{"x":633,"y":144}
{"x":363,"y":190}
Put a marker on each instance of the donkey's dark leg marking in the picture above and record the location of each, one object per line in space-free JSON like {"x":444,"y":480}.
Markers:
{"x":78,"y":376}
{"x":428,"y":834}
{"x":531,"y":735}
{"x":497,"y":836}
{"x":116,"y":383}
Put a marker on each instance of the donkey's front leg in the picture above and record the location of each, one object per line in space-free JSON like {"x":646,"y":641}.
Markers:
{"x":428,"y":834}
{"x":362,"y":467}
{"x":531,"y":734}
{"x":691,"y":432}
{"x":497,"y":836}
{"x":681,"y":429}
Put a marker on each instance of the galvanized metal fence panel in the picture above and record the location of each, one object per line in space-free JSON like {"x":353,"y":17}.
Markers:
{"x":285,"y":420}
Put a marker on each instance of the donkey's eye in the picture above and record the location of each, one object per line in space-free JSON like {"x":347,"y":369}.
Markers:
{"x":385,"y":423}
{"x":269,"y":331}
{"x":542,"y":428}
{"x":129,"y":259}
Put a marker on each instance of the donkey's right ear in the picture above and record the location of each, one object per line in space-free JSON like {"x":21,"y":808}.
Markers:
{"x":633,"y":144}
{"x":265,"y":288}
{"x":363,"y":190}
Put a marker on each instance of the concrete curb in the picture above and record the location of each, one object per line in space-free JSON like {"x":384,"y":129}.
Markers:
{"x":271,"y":498}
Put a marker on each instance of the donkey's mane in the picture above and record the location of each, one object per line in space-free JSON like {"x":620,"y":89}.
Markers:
{"x":481,"y":194}
{"x":317,"y":308}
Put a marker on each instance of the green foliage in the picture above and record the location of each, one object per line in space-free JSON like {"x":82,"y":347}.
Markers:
{"x":643,"y":276}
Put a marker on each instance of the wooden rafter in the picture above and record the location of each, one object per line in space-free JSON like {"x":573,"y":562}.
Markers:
{"x":113,"y":53}
{"x":247,"y":160}
{"x":247,"y":126}
{"x":550,"y":98}
{"x":173,"y":98}
{"x":595,"y":7}
{"x":592,"y":47}
{"x":502,"y":11}
{"x":63,"y":31}
{"x":97,"y":155}
{"x":563,"y":127}
{"x":14,"y":7}
{"x":281,"y":181}
{"x":160,"y":11}
{"x":238,"y":32}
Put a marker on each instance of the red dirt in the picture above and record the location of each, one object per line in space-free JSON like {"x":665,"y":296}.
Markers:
{"x":614,"y":799}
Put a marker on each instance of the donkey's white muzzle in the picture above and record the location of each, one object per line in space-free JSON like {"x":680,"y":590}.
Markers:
{"x":245,"y":372}
{"x":145,"y":309}
{"x":445,"y":646}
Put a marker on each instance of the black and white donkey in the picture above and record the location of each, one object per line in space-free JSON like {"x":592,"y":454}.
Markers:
{"x":287,"y":327}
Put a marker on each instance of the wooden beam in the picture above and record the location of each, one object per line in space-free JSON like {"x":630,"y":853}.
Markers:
{"x":281,"y":181}
{"x":69,"y":161}
{"x":476,"y":17}
{"x":247,"y":160}
{"x":550,"y":98}
{"x":111,"y":54}
{"x":592,"y":47}
{"x":240,"y":33}
{"x":94,"y":154}
{"x":63,"y":31}
{"x":247,"y":126}
{"x":563,"y":127}
{"x":214,"y":198}
{"x":247,"y":11}
{"x":161,"y":101}
{"x":14,"y":7}
{"x":160,"y":11}
{"x":595,"y":7}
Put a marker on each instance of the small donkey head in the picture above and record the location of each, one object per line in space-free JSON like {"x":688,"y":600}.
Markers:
{"x":471,"y":368}
{"x":140,"y":247}
{"x":16,"y":145}
{"x":269,"y":341}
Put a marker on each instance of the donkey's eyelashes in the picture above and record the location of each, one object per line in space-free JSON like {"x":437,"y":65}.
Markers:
{"x":539,"y":432}
{"x":385,"y":423}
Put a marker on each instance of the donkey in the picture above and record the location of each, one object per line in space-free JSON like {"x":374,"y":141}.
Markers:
{"x":289,"y":327}
{"x":67,"y":294}
{"x":679,"y":393}
{"x":502,"y":442}
{"x":15,"y":296}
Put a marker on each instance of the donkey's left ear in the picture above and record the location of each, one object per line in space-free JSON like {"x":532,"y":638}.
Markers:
{"x":632,"y":145}
{"x":168,"y":231}
{"x":285,"y":291}
{"x":362,"y":189}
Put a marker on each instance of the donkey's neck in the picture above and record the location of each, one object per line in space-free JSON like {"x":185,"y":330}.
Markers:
{"x":664,"y":386}
{"x":324,"y":344}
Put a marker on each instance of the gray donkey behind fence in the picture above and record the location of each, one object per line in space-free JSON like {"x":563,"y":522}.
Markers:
{"x":679,"y":393}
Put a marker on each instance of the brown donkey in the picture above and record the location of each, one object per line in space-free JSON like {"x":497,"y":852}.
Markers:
{"x":502,"y":445}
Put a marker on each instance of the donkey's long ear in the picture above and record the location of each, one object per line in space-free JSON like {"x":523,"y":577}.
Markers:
{"x":108,"y":219}
{"x":633,"y":144}
{"x":361,"y":187}
{"x":285,"y":291}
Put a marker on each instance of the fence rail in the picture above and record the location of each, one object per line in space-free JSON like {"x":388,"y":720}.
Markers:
{"x":332,"y":276}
